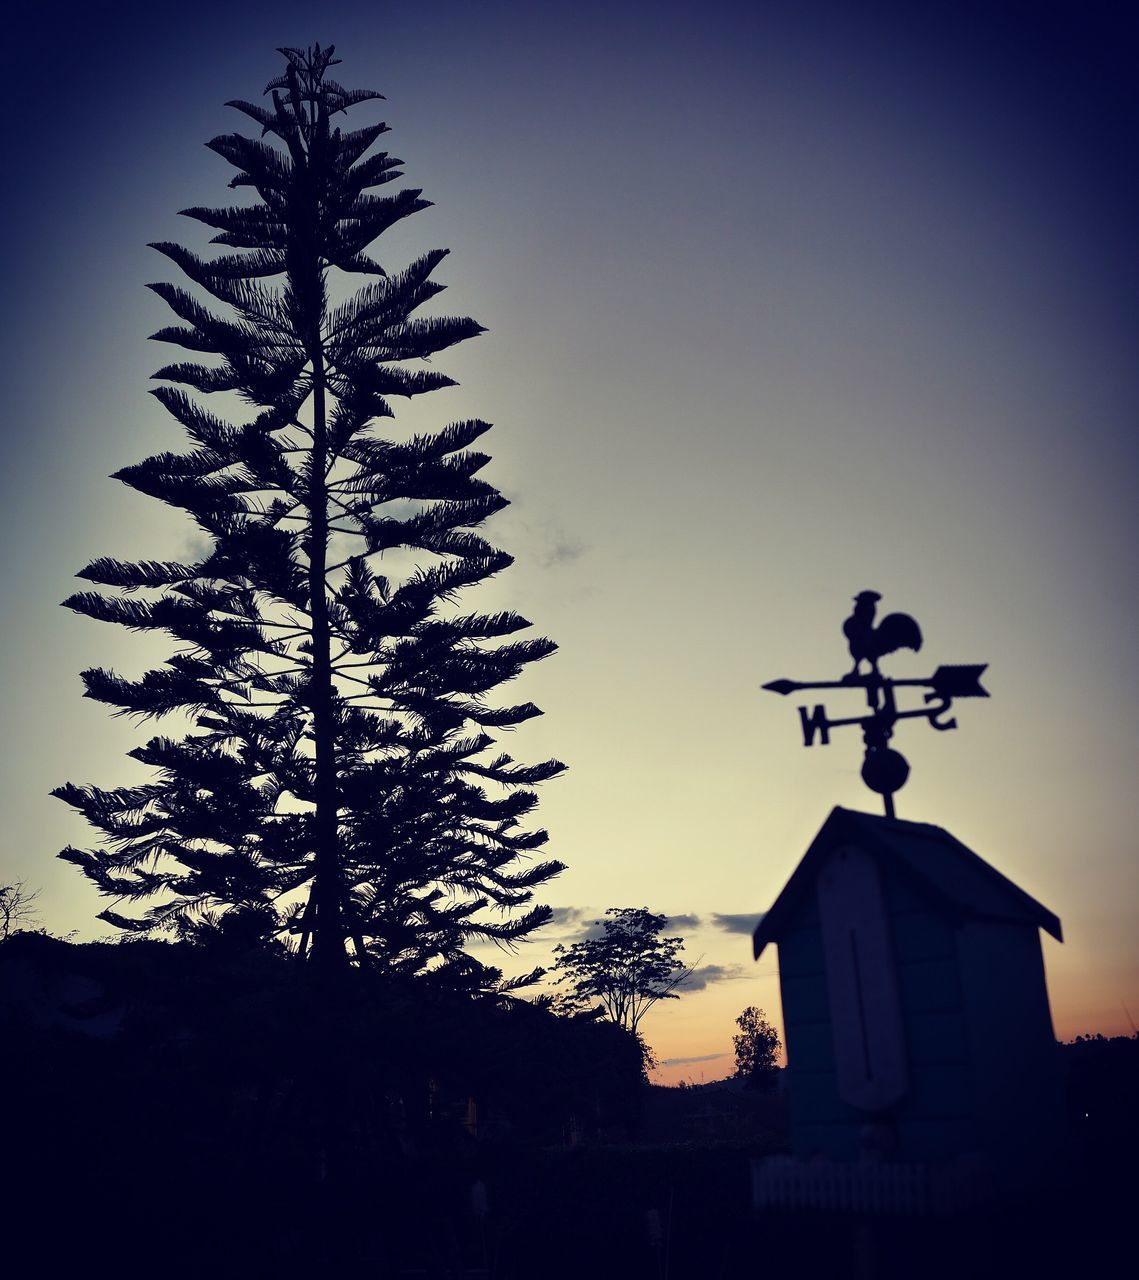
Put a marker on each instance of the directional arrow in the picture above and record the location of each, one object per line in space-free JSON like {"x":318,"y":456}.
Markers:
{"x":954,"y":680}
{"x":959,"y":681}
{"x":782,"y":686}
{"x":792,"y":686}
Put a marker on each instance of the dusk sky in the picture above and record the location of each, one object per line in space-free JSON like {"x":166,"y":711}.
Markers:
{"x":784,"y":302}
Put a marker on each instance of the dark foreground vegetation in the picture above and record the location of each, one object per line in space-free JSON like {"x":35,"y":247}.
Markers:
{"x":171,"y":1110}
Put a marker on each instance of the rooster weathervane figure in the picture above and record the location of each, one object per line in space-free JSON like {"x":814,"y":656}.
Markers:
{"x":884,"y":770}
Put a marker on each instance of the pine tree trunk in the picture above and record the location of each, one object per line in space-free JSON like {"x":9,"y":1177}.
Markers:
{"x":328,"y":937}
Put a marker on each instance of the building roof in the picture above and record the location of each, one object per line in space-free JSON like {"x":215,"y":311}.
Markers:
{"x":930,"y":859}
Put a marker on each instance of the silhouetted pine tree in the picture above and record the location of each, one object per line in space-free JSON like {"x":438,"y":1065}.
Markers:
{"x":334,"y":778}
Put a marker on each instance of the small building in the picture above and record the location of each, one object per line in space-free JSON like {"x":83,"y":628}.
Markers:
{"x":915,"y":1009}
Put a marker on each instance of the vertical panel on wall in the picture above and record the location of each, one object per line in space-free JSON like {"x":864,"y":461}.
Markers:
{"x":862,"y":988}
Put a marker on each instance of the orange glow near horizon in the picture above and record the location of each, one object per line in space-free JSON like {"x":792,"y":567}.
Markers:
{"x":699,"y":1045}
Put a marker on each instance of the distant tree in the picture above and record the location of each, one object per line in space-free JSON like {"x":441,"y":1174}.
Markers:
{"x":333,"y":777}
{"x":17,"y":907}
{"x":756,"y":1047}
{"x":628,"y":967}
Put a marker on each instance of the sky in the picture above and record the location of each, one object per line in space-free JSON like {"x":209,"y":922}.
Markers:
{"x":784,"y":302}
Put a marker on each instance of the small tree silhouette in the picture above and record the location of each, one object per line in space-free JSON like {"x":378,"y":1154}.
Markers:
{"x":628,"y":967}
{"x":756,"y":1047}
{"x":17,"y":907}
{"x":338,"y":779}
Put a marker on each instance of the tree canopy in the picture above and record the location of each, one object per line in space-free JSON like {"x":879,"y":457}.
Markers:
{"x":757,"y":1046}
{"x":333,"y":772}
{"x":17,"y":907}
{"x":627,"y":967}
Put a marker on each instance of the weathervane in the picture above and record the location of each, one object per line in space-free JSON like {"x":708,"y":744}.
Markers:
{"x":884,"y":770}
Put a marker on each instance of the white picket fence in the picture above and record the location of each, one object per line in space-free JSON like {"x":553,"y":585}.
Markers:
{"x":785,"y":1182}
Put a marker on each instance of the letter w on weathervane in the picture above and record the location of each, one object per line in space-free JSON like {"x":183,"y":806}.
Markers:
{"x":815,"y":725}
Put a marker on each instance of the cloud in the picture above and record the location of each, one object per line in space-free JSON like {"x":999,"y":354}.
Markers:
{"x":563,"y":916}
{"x":706,"y":974}
{"x":560,"y":551}
{"x":684,"y":1062}
{"x":575,"y":924}
{"x":688,"y":921}
{"x":743,"y":923}
{"x":547,"y":544}
{"x":572,"y":924}
{"x":195,"y":545}
{"x":587,"y":923}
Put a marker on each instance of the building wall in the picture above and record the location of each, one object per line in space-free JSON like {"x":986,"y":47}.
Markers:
{"x":1013,"y":1051}
{"x":981,"y":1054}
{"x":820,"y":1121}
{"x":937,"y":1119}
